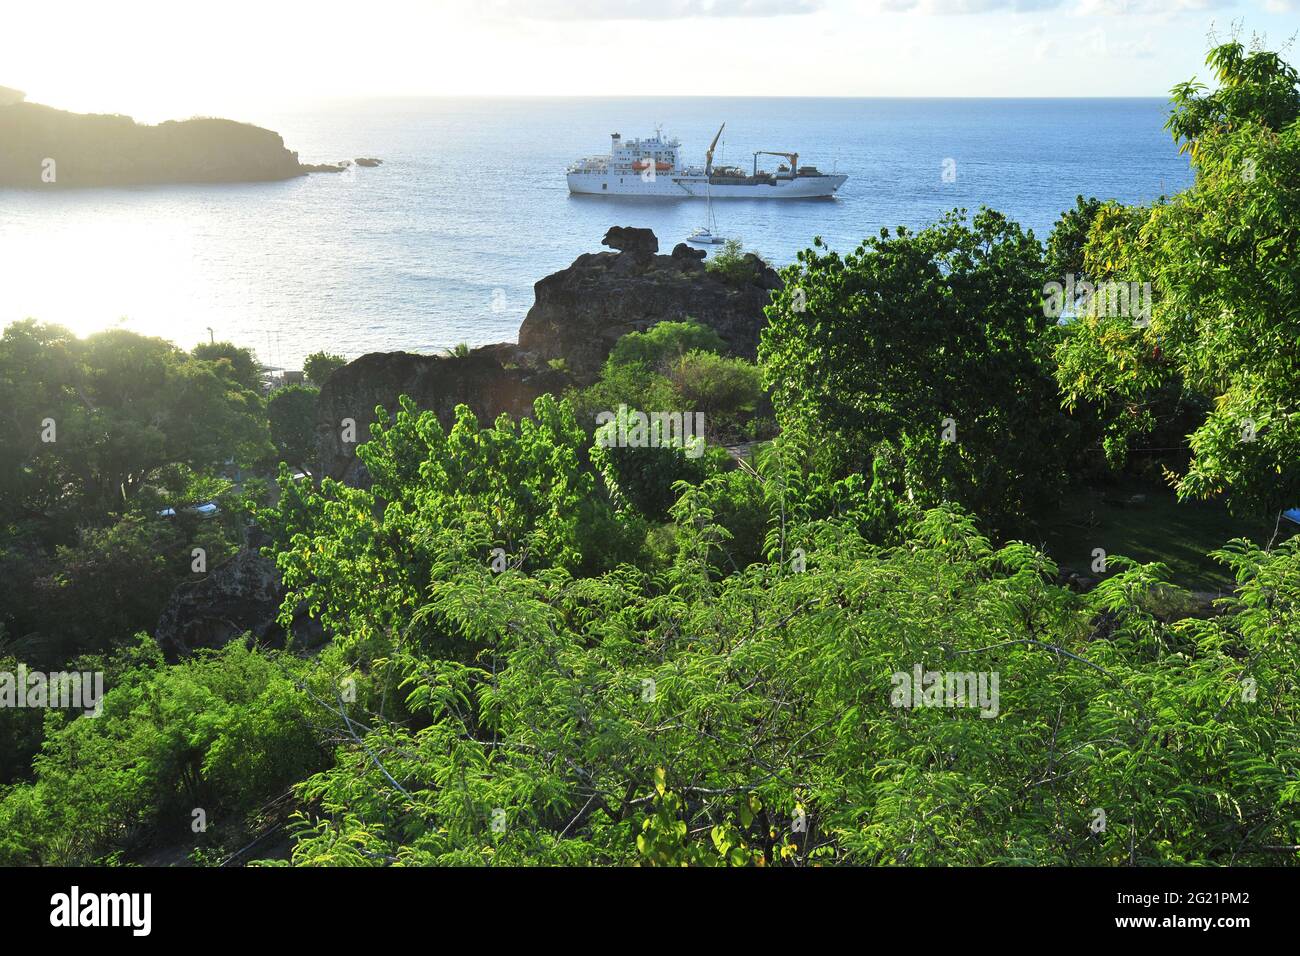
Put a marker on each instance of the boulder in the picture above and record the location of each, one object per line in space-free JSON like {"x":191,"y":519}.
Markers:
{"x":580,"y":312}
{"x":638,"y":242}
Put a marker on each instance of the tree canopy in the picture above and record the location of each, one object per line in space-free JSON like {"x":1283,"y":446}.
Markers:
{"x":925,"y":351}
{"x":1221,"y":261}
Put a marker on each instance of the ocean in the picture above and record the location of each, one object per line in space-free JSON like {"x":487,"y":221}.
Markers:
{"x":442,"y":244}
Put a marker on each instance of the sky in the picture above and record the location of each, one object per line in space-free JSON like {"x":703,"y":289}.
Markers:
{"x":157,"y":60}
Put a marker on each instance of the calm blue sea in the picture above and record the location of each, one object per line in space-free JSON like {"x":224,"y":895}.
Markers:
{"x":442,"y":244}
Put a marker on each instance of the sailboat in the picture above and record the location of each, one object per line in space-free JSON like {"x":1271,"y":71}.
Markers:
{"x":707,"y":235}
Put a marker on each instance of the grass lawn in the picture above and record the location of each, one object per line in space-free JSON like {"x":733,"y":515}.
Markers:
{"x":1147,"y":523}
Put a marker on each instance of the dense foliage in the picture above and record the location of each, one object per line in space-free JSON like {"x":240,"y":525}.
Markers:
{"x":747,"y":719}
{"x":109,"y":440}
{"x":1221,"y":260}
{"x":291,"y":414}
{"x":219,"y":734}
{"x":926,"y":351}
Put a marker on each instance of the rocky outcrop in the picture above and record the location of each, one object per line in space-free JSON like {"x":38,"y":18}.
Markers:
{"x":241,"y":595}
{"x":490,"y":380}
{"x":49,"y":148}
{"x":632,"y":240}
{"x":578,"y":315}
{"x":342,"y":166}
{"x":580,"y":312}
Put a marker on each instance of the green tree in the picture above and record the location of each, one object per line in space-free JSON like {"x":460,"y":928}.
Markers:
{"x":93,"y":422}
{"x":1220,"y":260}
{"x":291,"y":412}
{"x":223,"y":732}
{"x":623,"y":718}
{"x":233,"y":362}
{"x":1256,"y":88}
{"x":734,"y":265}
{"x":642,"y":474}
{"x":102,"y":435}
{"x":928,"y":350}
{"x":664,"y":343}
{"x":319,"y":366}
{"x":727,"y":391}
{"x":514,"y":495}
{"x":1066,"y":242}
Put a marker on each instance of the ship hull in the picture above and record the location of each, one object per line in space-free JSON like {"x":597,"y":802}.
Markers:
{"x":689,"y":187}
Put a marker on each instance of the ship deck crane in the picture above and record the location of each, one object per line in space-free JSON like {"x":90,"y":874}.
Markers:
{"x":708,"y":155}
{"x":793,"y":157}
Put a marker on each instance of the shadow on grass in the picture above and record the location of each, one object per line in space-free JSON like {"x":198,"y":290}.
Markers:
{"x":1146,"y":522}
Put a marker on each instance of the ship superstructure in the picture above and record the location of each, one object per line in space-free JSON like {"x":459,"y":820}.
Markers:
{"x":652,"y":167}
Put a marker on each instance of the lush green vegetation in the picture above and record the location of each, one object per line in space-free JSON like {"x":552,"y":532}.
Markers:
{"x":547,"y":647}
{"x":291,"y":414}
{"x":103,"y":436}
{"x":1222,"y":260}
{"x":319,"y":366}
{"x":733,"y":264}
{"x":922,"y":360}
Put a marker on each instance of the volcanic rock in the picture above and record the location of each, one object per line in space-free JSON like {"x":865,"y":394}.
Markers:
{"x":580,"y":312}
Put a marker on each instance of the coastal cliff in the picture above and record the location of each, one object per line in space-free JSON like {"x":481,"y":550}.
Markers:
{"x":580,"y":312}
{"x":577,"y":316}
{"x":49,"y":148}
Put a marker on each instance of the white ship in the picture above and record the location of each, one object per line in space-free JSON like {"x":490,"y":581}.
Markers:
{"x":652,"y":167}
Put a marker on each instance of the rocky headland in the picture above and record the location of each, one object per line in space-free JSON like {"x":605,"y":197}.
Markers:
{"x":50,"y":148}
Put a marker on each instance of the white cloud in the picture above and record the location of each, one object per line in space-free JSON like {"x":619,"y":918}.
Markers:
{"x":1080,"y":7}
{"x":1101,"y":45}
{"x":961,"y":7}
{"x":1149,"y":7}
{"x":648,"y":9}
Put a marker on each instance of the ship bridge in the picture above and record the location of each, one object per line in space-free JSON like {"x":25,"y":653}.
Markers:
{"x":642,"y":155}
